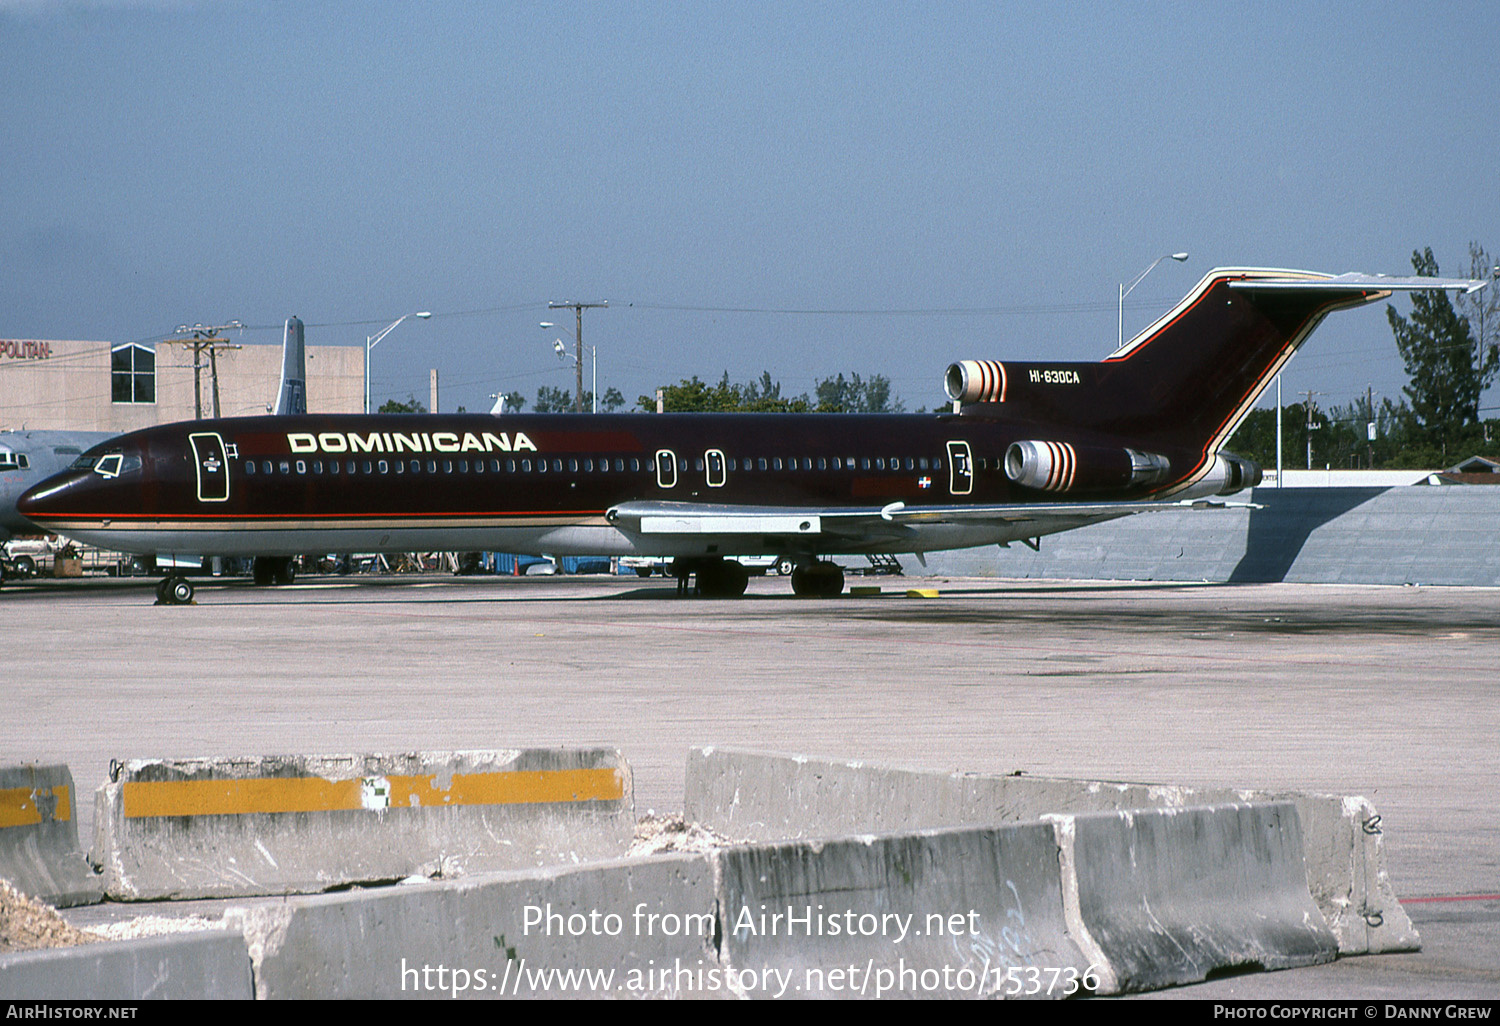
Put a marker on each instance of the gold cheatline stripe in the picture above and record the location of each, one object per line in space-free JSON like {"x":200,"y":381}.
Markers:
{"x":18,"y":806}
{"x":145,"y":799}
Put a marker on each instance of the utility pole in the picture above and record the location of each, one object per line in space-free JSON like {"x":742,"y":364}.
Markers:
{"x":1370,"y":428}
{"x":1311,"y":427}
{"x":1280,"y":475}
{"x":578,"y":309}
{"x":206,"y":338}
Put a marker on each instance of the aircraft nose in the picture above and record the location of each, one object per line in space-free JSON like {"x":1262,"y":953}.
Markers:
{"x":47,"y":497}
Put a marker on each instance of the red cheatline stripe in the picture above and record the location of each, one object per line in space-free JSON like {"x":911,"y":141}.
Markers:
{"x":1451,"y":897}
{"x":298,"y":515}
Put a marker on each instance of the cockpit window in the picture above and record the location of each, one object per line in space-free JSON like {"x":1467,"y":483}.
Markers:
{"x":13,"y":460}
{"x":111,"y":464}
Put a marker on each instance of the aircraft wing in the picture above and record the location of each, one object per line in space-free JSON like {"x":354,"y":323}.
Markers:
{"x":872,"y":523}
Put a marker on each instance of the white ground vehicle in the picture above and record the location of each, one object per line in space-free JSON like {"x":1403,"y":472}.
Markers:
{"x":25,"y":557}
{"x":645,"y":566}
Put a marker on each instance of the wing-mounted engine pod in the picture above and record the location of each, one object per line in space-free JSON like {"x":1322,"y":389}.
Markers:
{"x":975,"y":381}
{"x":1064,"y":467}
{"x":1229,"y":474}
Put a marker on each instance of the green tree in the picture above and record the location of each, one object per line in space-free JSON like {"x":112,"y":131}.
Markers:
{"x":692,"y":395}
{"x":553,"y":400}
{"x":560,"y":400}
{"x":411,"y":405}
{"x":832,"y":395}
{"x":1448,"y":371}
{"x":856,"y":395}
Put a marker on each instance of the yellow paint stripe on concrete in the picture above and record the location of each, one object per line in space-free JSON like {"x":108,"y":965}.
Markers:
{"x":516,"y":788}
{"x":18,"y":806}
{"x":145,"y":799}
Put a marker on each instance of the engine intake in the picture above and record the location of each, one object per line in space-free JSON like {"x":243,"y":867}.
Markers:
{"x":976,"y":381}
{"x":1064,"y":467}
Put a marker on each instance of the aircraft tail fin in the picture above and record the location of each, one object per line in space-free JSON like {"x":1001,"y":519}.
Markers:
{"x":291,"y":398}
{"x":1185,"y":383}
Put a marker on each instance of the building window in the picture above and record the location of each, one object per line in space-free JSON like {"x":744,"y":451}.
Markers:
{"x":132,"y":374}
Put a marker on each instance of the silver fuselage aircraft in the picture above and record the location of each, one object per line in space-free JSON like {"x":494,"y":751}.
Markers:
{"x":1031,"y":448}
{"x":30,"y":457}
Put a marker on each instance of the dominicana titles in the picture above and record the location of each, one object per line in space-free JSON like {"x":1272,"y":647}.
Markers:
{"x":416,"y":441}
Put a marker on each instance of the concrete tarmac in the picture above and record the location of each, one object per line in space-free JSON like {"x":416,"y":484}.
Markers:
{"x":1387,"y":692}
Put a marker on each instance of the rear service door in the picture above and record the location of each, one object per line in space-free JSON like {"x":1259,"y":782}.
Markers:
{"x":212,"y":466}
{"x":961,"y":468}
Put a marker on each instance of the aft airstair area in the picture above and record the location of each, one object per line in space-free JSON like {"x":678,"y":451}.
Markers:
{"x":880,"y":566}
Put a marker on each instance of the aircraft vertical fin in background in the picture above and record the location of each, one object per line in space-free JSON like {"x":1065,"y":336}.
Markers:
{"x":291,"y":398}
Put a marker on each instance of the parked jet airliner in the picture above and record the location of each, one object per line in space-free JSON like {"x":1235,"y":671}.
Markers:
{"x":1033,"y":449}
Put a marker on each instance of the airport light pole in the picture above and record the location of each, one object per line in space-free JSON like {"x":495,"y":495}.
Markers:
{"x":563,"y":354}
{"x":578,"y":309}
{"x":1125,"y":290}
{"x":371,"y":341}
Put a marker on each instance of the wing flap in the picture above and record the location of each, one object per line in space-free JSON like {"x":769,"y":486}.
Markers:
{"x":686,"y":519}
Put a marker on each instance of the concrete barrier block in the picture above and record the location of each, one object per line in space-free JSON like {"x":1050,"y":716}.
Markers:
{"x":643,"y":928}
{"x":1346,"y":872}
{"x":1164,"y":897}
{"x":760,"y":796}
{"x":956,"y":913}
{"x":39,"y":850}
{"x":208,"y":964}
{"x":195,"y":828}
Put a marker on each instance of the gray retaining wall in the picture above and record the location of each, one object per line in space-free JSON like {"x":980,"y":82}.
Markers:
{"x":1406,"y":535}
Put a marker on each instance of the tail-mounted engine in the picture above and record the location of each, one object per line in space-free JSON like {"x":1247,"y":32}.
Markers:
{"x":976,"y":381}
{"x":1063,"y":467}
{"x":1229,"y":474}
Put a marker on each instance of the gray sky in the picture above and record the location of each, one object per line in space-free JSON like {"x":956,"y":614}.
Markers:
{"x":752,"y":186}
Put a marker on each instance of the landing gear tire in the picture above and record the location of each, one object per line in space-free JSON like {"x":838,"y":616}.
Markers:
{"x":724,"y":579}
{"x":25,"y":567}
{"x":643,"y":571}
{"x":174,"y":591}
{"x":270,"y":570}
{"x":818,"y":580}
{"x":784,"y":567}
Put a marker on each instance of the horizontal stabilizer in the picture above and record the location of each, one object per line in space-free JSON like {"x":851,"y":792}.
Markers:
{"x":1357,"y":281}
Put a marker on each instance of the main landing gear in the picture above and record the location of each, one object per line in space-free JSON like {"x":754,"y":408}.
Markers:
{"x":717,"y":578}
{"x":174,"y":591}
{"x":727,"y":578}
{"x":818,"y":580}
{"x":274,"y":570}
